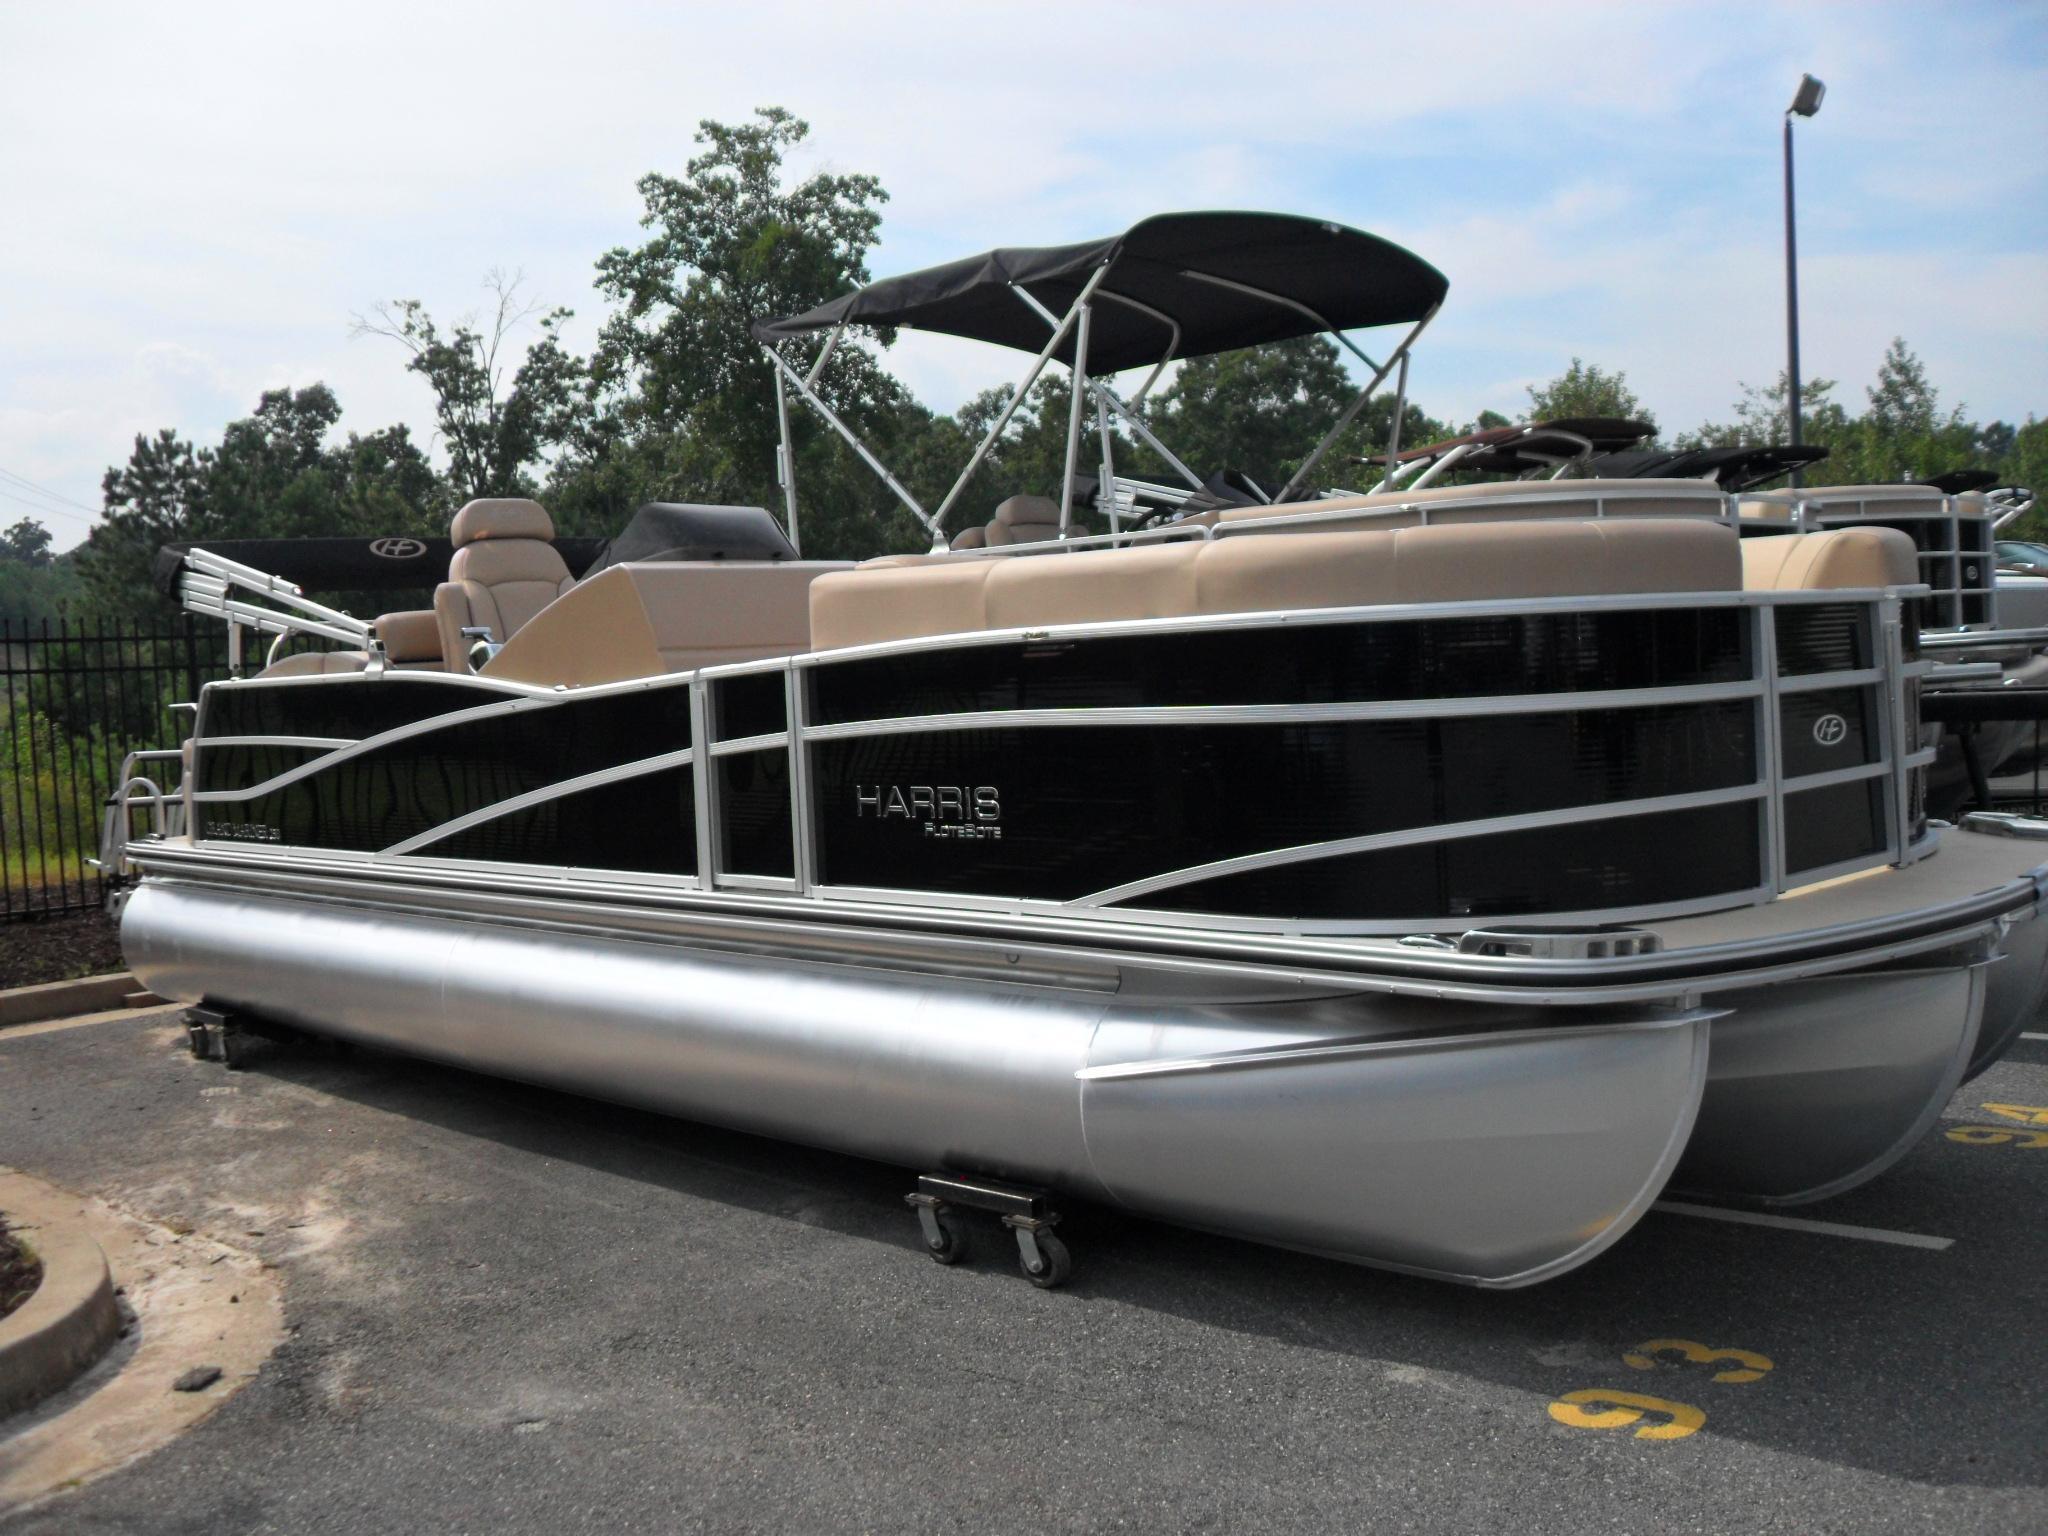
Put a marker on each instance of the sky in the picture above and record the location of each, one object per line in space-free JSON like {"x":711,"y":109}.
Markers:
{"x":196,"y":198}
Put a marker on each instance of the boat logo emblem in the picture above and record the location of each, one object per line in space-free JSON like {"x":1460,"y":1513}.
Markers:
{"x":398,"y":549}
{"x":964,"y":812}
{"x":1829,"y":730}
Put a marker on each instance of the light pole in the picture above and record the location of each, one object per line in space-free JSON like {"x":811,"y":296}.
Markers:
{"x":1805,"y":102}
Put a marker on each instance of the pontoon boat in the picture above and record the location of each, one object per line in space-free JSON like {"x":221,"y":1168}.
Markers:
{"x":1428,"y":878}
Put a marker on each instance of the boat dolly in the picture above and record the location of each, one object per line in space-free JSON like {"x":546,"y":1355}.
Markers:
{"x":1040,"y":1253}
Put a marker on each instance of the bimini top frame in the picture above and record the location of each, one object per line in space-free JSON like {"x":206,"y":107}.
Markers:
{"x":1175,"y":286}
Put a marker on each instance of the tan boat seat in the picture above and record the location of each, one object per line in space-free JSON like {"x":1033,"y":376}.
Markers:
{"x":1023,"y":520}
{"x":411,"y":639}
{"x":971,"y":538}
{"x":317,"y":664}
{"x":1253,"y":574}
{"x":672,"y":616}
{"x":1152,"y":581}
{"x":505,"y":571}
{"x":1843,"y":557}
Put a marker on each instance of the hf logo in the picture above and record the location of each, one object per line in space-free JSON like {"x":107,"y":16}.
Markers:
{"x":397,"y":549}
{"x":1830,"y":730}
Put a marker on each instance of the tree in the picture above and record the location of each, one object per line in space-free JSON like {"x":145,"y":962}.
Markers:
{"x":688,"y":399}
{"x":1760,"y":419}
{"x":27,"y":543}
{"x":494,"y":430}
{"x":274,"y":474}
{"x":1903,"y":404}
{"x":1587,"y":389}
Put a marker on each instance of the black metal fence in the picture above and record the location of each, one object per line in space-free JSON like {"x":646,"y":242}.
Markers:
{"x":74,"y":701}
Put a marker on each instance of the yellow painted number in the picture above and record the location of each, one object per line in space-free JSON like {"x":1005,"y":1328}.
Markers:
{"x":1996,"y":1136}
{"x":1738,"y":1364}
{"x":2026,"y":1114}
{"x":1596,"y":1408}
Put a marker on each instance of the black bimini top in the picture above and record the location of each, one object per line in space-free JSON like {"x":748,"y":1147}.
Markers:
{"x":1531,"y":445}
{"x":1226,"y":280}
{"x":1733,"y":469}
{"x":1959,"y":482}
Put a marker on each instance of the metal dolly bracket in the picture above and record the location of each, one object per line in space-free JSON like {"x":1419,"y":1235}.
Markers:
{"x":1026,"y":1212}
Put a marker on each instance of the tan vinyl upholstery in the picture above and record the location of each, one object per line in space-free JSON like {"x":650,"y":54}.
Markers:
{"x":501,"y":517}
{"x":971,"y":538}
{"x":1256,"y":574}
{"x":1845,"y":557}
{"x":317,"y":664}
{"x":1023,"y":520}
{"x":674,"y":616}
{"x":411,"y":640}
{"x":1501,"y":501}
{"x":504,"y":572}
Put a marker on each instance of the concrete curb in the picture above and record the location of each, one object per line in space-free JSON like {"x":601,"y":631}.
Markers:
{"x":58,"y":999}
{"x":72,"y":1318}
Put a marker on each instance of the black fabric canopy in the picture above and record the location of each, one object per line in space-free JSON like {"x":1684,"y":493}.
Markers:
{"x":1172,"y":268}
{"x":1733,"y":469}
{"x":1958,"y":482}
{"x":1532,"y":445}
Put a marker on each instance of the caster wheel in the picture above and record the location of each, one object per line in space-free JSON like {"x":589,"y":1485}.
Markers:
{"x":951,"y":1246}
{"x":1055,"y":1264}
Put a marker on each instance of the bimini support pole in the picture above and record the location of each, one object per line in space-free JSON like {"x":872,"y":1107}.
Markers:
{"x":1351,"y":411}
{"x":785,"y":460}
{"x":988,"y":438}
{"x":784,"y":371}
{"x":1136,"y":423}
{"x":1400,"y":405}
{"x":1077,"y":410}
{"x":1105,"y":489}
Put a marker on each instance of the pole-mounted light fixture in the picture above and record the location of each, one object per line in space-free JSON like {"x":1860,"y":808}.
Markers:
{"x":1805,"y":102}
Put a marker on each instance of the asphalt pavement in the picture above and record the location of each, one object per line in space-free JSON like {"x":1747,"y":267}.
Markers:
{"x":510,"y":1310}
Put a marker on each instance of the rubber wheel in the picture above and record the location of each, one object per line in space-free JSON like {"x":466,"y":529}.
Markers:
{"x":952,"y":1246}
{"x":1058,"y":1265}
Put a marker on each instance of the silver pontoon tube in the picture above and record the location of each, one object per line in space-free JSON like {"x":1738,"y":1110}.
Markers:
{"x":1480,"y":1143}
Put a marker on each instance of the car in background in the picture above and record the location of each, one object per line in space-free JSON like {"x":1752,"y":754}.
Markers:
{"x":2021,"y":558}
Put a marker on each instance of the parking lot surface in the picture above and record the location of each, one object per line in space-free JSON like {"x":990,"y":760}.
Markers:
{"x":509,"y":1310}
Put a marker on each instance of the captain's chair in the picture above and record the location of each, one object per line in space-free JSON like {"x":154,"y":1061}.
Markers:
{"x":1024,"y":520}
{"x":504,"y":572}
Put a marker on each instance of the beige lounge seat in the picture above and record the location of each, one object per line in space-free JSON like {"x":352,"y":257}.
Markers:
{"x":1844,"y":557}
{"x":505,"y":571}
{"x":1247,"y":574}
{"x":672,"y":616}
{"x":317,"y":664}
{"x":1023,"y":520}
{"x":411,"y":639}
